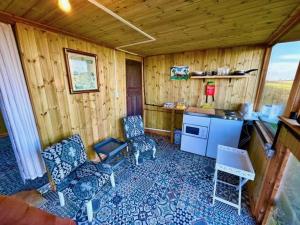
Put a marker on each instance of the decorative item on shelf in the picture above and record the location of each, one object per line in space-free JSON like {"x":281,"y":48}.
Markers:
{"x":82,"y":71}
{"x":210,"y":90}
{"x":181,"y":105}
{"x":180,"y":72}
{"x":223,"y":71}
{"x":169,"y":105}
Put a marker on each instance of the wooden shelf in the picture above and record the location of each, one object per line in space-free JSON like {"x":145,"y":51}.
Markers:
{"x":219,"y":77}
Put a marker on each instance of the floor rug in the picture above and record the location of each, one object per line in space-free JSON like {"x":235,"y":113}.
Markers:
{"x":175,"y":188}
{"x":10,"y":179}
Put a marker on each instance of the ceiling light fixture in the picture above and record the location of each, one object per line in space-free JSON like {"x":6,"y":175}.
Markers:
{"x":64,"y":5}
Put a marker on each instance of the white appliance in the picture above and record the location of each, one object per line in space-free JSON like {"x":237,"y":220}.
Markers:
{"x":202,"y":134}
{"x":223,"y":132}
{"x":195,"y":131}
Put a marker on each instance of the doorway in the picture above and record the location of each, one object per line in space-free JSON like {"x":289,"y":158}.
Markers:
{"x":134,"y":89}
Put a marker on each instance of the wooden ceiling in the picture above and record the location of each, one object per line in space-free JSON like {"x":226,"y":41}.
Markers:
{"x":177,"y":25}
{"x":292,"y":35}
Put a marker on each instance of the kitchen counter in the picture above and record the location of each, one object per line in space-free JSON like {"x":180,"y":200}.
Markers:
{"x":214,"y":113}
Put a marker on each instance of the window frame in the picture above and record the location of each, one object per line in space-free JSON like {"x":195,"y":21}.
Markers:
{"x":293,"y":103}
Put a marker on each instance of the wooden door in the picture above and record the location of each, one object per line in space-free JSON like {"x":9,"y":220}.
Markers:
{"x":134,"y":88}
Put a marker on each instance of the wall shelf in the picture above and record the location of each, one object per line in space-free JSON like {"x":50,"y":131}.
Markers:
{"x":220,"y":77}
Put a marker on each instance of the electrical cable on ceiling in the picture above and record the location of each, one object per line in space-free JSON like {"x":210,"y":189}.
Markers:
{"x":120,"y":48}
{"x":116,"y":16}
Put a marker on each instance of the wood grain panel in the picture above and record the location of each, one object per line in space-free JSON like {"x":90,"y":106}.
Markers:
{"x":292,"y":35}
{"x":178,"y":25}
{"x":59,"y":114}
{"x":260,"y":164}
{"x":229,"y":95}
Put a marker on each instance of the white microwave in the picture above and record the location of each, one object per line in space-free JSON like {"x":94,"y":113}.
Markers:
{"x":195,"y":130}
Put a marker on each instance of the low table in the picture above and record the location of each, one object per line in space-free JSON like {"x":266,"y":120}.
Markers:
{"x":111,"y":148}
{"x":236,"y":162}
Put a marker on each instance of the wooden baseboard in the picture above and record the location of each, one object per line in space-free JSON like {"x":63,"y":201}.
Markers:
{"x":3,"y":134}
{"x":158,"y":132}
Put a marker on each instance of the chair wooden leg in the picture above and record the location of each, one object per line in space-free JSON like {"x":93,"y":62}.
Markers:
{"x":154,"y":152}
{"x":89,"y":210}
{"x":61,"y":198}
{"x":112,"y":179}
{"x":137,"y":154}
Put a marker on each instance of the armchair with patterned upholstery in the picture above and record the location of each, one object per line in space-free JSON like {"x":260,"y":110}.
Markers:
{"x":71,"y":172}
{"x":135,"y":135}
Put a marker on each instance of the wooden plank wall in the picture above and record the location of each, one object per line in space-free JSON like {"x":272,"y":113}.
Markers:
{"x":260,"y":164}
{"x":59,"y":114}
{"x":159,"y":88}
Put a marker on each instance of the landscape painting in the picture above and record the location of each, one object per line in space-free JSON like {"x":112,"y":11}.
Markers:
{"x":82,"y":71}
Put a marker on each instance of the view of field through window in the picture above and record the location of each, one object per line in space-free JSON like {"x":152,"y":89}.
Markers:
{"x":281,"y":73}
{"x":287,"y":202}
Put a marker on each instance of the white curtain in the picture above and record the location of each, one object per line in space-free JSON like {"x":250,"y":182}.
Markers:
{"x":16,"y":108}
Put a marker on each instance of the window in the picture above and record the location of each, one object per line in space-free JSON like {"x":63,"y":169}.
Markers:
{"x":280,"y":76}
{"x":287,"y":202}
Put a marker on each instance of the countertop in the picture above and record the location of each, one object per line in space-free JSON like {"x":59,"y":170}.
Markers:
{"x":214,"y":113}
{"x":292,"y":124}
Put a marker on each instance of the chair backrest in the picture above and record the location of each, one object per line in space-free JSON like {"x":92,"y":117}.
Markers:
{"x":64,"y":157}
{"x":133,"y":126}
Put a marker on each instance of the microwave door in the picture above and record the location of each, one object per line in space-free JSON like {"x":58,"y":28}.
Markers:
{"x":191,"y":130}
{"x":196,"y":131}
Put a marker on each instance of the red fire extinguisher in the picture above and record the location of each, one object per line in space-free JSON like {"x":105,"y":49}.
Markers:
{"x":210,"y":90}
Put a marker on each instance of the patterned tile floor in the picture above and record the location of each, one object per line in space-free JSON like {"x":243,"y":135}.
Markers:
{"x":175,"y":188}
{"x":10,"y":178}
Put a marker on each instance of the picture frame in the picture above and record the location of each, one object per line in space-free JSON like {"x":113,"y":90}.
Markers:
{"x":82,"y":71}
{"x":179,"y":73}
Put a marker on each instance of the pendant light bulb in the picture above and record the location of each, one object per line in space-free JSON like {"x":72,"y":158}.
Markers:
{"x":64,"y":5}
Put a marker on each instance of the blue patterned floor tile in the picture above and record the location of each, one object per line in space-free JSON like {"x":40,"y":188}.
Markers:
{"x":175,"y":188}
{"x":10,"y":179}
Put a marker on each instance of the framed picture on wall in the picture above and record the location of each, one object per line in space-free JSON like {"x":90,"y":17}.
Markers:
{"x":82,"y":71}
{"x":179,"y":72}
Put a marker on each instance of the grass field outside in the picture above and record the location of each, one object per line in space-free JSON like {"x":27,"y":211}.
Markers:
{"x":276,"y":92}
{"x":286,"y":210}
